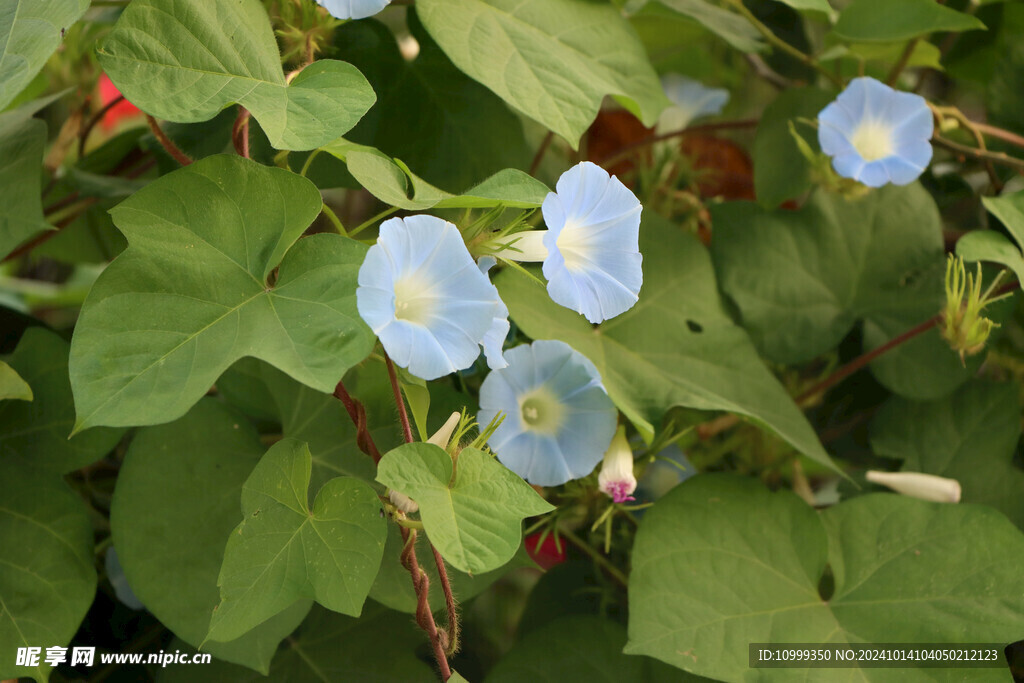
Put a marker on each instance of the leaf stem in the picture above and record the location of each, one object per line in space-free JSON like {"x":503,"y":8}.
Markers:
{"x":309,"y":161}
{"x":364,"y":225}
{"x":597,"y":557}
{"x":981,"y":154}
{"x":240,"y":132}
{"x":779,"y":43}
{"x":902,"y":62}
{"x":539,"y":156}
{"x":166,"y":142}
{"x":83,"y":137}
{"x":335,"y":221}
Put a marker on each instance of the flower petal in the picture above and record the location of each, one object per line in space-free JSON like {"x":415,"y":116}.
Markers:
{"x":353,"y":9}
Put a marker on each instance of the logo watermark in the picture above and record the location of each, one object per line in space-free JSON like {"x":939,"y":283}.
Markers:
{"x":86,"y":656}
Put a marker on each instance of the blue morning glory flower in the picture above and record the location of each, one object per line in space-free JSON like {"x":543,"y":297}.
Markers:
{"x":559,"y":420}
{"x":690,"y":99}
{"x":426,"y":300}
{"x":593,"y":260}
{"x":353,"y":9}
{"x":877,"y":135}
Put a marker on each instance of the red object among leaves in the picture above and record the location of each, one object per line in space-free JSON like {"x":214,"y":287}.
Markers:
{"x":547,"y":556}
{"x":123,"y":110}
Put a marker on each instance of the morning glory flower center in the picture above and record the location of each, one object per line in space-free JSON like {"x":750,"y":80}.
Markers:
{"x":541,"y":411}
{"x":572,"y":245}
{"x":873,"y":140}
{"x":410,"y":304}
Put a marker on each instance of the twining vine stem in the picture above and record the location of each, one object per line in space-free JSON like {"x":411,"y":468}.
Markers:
{"x":167,"y":143}
{"x":240,"y":132}
{"x":444,"y":643}
{"x":357,"y":412}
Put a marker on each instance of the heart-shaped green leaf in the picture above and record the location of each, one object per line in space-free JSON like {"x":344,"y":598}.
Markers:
{"x":970,"y":435}
{"x":33,"y":30}
{"x":473,"y":518}
{"x":676,"y":347}
{"x":285,"y":551}
{"x":553,"y":60}
{"x":802,"y":279}
{"x":185,"y":60}
{"x":190,"y":295}
{"x":721,"y":562}
{"x":37,"y":432}
{"x":879,"y":20}
{"x":175,"y":505}
{"x":47,"y":576}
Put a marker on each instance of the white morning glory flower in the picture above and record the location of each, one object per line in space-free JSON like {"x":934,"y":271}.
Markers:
{"x":616,"y":478}
{"x":691,"y":100}
{"x":591,"y":250}
{"x":424,"y":297}
{"x":353,"y":9}
{"x":558,"y":417}
{"x":877,"y":135}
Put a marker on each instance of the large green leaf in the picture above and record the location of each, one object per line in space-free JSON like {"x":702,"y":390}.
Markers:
{"x":22,"y":139}
{"x":721,"y":562}
{"x":37,"y":432}
{"x":554,"y":60}
{"x":284,"y":551}
{"x":47,"y":577}
{"x":449,"y":128}
{"x":727,"y":25}
{"x":472,"y":512}
{"x":12,"y":386}
{"x":580,"y":648}
{"x":391,"y":181}
{"x":175,"y":504}
{"x":185,"y":60}
{"x":675,"y":347}
{"x":802,"y":279}
{"x":775,"y":147}
{"x":970,"y":435}
{"x":379,"y":647}
{"x":190,"y":295}
{"x":1009,"y":209}
{"x":30,"y":31}
{"x":883,"y":21}
{"x":989,"y":245}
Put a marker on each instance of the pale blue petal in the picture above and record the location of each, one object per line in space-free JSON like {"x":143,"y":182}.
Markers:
{"x":868,"y":101}
{"x":589,"y":415}
{"x":594,"y":262}
{"x":692,"y":100}
{"x":456,"y":302}
{"x":874,"y":174}
{"x":353,"y":9}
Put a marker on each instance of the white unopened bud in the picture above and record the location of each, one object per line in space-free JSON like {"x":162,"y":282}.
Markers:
{"x":918,"y":485}
{"x":521,"y":246}
{"x":403,"y":502}
{"x":440,"y":438}
{"x":616,"y":477}
{"x":444,"y":434}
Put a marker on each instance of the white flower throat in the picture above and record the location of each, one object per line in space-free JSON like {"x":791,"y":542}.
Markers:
{"x":410,"y":303}
{"x":873,"y":140}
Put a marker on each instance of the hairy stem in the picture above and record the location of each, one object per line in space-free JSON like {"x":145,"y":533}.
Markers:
{"x":167,"y":143}
{"x":357,"y":412}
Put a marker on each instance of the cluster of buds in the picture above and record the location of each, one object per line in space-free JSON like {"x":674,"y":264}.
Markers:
{"x":963,"y":325}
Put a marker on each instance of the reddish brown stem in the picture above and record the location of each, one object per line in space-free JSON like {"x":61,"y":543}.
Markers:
{"x":166,"y":142}
{"x":96,"y":118}
{"x":424,"y":617}
{"x":449,"y":603}
{"x":539,"y":156}
{"x":696,"y":130}
{"x":240,"y":132}
{"x":864,"y":359}
{"x":402,"y":415}
{"x":357,"y":412}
